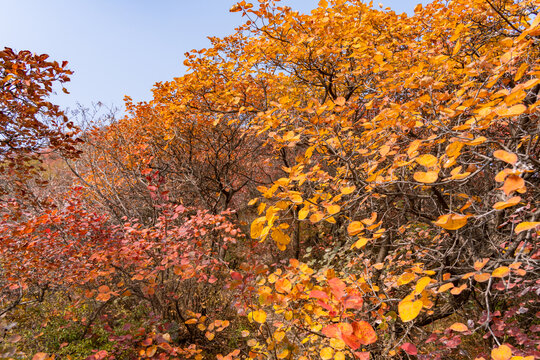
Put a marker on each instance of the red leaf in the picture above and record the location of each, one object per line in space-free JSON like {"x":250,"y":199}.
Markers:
{"x":236,"y":276}
{"x":362,"y":355}
{"x":364,"y":332}
{"x":338,"y":287}
{"x":317,"y":294}
{"x":332,"y":331}
{"x":409,"y":348}
{"x":354,"y":302}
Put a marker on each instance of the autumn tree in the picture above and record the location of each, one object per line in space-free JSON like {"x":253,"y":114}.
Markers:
{"x":415,"y":138}
{"x":29,"y":123}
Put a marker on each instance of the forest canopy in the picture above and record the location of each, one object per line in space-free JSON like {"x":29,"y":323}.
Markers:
{"x":347,"y":184}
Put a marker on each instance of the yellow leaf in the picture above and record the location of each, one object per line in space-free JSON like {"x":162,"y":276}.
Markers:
{"x":327,"y":353}
{"x":421,"y":284}
{"x":426,"y":177}
{"x":280,"y":237}
{"x":454,"y":149}
{"x":503,"y":352}
{"x":405,"y":278}
{"x":502,"y":175}
{"x":451,"y":221}
{"x":257,"y":316}
{"x":409,"y":310}
{"x":520,"y":71}
{"x":339,"y":356}
{"x":506,"y":156}
{"x":500,"y":272}
{"x":508,"y":203}
{"x":524,"y":226}
{"x":210,"y":335}
{"x":279,"y":335}
{"x":303,"y":213}
{"x":459,"y":327}
{"x":427,"y":160}
{"x":355,"y":227}
{"x":456,"y":48}
{"x":283,"y":354}
{"x":257,"y":227}
{"x":360,"y":243}
{"x":413,"y":147}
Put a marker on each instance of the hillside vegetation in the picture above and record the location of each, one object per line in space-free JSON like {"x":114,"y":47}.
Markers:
{"x":348,"y":184}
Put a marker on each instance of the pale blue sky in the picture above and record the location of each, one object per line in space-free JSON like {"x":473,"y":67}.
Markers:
{"x":123,"y":47}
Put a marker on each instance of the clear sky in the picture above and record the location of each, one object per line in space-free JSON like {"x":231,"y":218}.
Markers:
{"x":123,"y":47}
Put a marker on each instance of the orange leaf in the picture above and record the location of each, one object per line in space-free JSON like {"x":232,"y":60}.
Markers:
{"x":478,"y":265}
{"x":452,"y":221}
{"x":427,"y":160}
{"x":103,"y":297}
{"x":512,"y":183}
{"x":405,"y":278}
{"x":364,"y":332}
{"x":445,"y":287}
{"x":458,"y":290}
{"x":338,"y":287}
{"x":40,"y":356}
{"x":355,"y":227}
{"x":506,"y":156}
{"x":333,"y":209}
{"x":459,"y":327}
{"x":426,"y":177}
{"x":515,"y":110}
{"x":508,"y":203}
{"x":315,"y":218}
{"x":348,"y":190}
{"x":151,"y":351}
{"x":503,"y":352}
{"x":283,"y":286}
{"x":340,"y":101}
{"x":371,"y":220}
{"x":482,"y":277}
